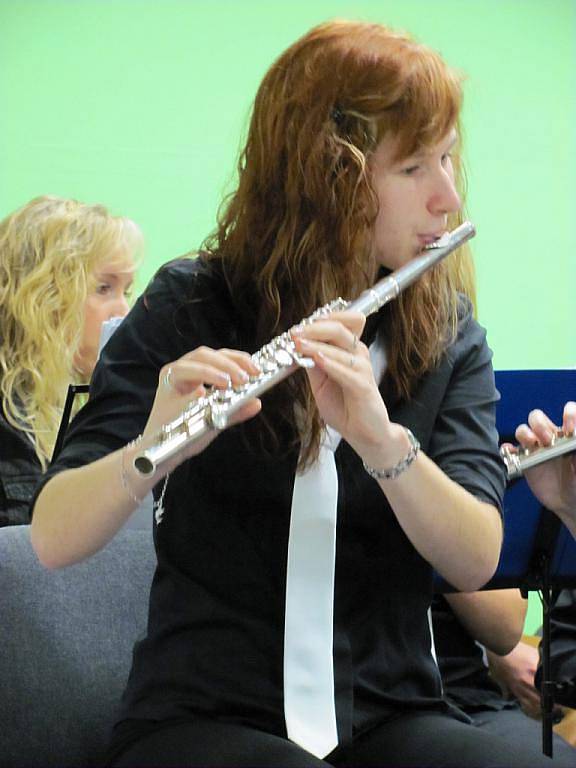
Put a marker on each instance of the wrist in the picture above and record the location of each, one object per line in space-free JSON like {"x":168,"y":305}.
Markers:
{"x":396,"y":454}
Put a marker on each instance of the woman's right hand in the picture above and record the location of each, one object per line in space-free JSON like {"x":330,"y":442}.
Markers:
{"x":515,"y":673}
{"x":185,"y":380}
{"x":73,"y":517}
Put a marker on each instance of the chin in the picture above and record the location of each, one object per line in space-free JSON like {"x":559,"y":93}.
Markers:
{"x":84,"y":367}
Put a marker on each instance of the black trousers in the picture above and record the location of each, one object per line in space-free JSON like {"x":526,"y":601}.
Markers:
{"x":514,"y":725}
{"x":423,"y":740}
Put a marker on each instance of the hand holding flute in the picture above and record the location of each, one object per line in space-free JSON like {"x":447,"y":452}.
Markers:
{"x":345,"y":390}
{"x":340,"y":374}
{"x":185,"y":380}
{"x":279,"y":358}
{"x":552,"y":480}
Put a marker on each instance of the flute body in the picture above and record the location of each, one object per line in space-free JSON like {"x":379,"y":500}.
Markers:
{"x":519,"y":462}
{"x":279,"y":359}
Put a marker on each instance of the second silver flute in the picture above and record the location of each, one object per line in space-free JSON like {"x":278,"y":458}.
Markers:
{"x":519,"y":461}
{"x":278,"y":359}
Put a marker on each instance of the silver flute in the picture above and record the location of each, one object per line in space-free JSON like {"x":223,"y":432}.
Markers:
{"x":519,"y":460}
{"x":279,"y":359}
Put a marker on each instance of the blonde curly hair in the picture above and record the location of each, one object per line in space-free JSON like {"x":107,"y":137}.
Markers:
{"x":50,"y":250}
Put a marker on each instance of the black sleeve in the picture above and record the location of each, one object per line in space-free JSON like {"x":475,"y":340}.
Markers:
{"x":20,"y":473}
{"x":464,"y":440}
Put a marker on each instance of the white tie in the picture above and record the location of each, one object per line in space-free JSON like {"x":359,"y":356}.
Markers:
{"x":309,"y":704}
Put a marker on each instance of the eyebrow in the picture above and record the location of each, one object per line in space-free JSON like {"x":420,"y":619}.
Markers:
{"x":114,"y":275}
{"x":424,"y":152}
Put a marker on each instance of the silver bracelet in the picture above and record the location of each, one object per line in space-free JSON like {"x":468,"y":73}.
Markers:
{"x":124,"y":474}
{"x":403,"y":464}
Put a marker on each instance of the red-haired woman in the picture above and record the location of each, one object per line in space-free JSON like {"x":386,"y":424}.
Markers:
{"x":261,"y":649}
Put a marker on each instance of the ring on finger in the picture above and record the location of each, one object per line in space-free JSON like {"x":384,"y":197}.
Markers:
{"x":167,"y":379}
{"x":354,"y":343}
{"x":352,"y":361}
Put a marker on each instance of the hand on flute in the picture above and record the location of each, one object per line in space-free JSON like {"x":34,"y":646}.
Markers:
{"x":552,"y":482}
{"x":185,"y":380}
{"x":345,"y":390}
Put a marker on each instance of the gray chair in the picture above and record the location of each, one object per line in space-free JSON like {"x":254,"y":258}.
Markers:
{"x":66,"y":641}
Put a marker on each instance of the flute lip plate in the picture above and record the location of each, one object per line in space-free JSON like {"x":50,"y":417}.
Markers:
{"x":440,"y":243}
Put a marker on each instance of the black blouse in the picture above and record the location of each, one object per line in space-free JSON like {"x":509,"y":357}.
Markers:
{"x":20,"y":473}
{"x":465,"y":675}
{"x":216,"y":624}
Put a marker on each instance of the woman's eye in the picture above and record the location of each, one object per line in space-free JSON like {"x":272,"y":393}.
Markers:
{"x":103,"y":288}
{"x":410,"y":170}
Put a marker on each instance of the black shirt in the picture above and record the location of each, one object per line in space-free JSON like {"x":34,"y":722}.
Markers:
{"x":216,"y":622}
{"x":465,"y":676}
{"x":20,"y":473}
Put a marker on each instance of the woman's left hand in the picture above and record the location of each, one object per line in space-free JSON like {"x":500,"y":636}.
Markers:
{"x":553,"y":482}
{"x":343,"y":383}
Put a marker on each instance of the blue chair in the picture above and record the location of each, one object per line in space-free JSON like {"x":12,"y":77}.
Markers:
{"x":66,"y":641}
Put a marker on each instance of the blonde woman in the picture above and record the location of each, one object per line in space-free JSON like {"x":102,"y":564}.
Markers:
{"x":65,"y":268}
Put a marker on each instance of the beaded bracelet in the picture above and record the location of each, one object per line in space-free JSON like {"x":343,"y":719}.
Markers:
{"x":403,"y":464}
{"x":124,"y":474}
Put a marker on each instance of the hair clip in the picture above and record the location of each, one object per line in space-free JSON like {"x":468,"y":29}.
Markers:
{"x":337,"y":115}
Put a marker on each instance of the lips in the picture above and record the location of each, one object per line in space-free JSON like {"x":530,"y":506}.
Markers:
{"x":426,"y":239}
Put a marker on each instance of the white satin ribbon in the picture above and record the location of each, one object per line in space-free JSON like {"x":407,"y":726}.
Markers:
{"x":309,"y":703}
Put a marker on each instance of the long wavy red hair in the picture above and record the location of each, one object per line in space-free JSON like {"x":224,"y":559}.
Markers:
{"x":296,"y":232}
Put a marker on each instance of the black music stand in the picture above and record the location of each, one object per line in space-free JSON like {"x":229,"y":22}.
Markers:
{"x":73,"y":390}
{"x":106,"y":331}
{"x":539,"y":553}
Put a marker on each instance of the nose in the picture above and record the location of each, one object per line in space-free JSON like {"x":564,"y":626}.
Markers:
{"x":120,"y":307}
{"x":444,"y":197}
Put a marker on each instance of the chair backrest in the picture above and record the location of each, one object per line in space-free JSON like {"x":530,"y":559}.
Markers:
{"x":66,"y":641}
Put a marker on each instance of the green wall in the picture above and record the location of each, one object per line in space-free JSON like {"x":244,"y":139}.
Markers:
{"x":140,"y":104}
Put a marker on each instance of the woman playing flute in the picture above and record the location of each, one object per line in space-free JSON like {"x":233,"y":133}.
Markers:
{"x":382,"y":456}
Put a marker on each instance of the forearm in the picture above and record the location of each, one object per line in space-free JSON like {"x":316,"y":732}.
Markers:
{"x":456,"y":533}
{"x":80,"y":510}
{"x":494,"y":618}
